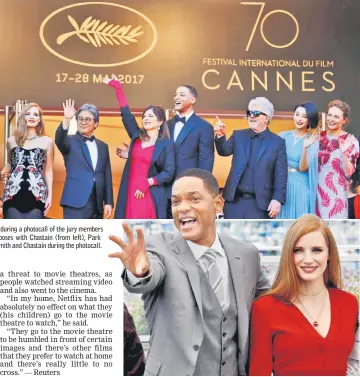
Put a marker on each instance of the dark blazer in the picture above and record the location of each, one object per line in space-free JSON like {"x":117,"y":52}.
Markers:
{"x":80,"y":174}
{"x":173,"y":302}
{"x":270,"y":173}
{"x":194,"y":146}
{"x":162,"y":168}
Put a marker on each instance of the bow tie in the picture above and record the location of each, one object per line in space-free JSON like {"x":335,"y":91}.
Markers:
{"x":180,"y":119}
{"x":91,"y":138}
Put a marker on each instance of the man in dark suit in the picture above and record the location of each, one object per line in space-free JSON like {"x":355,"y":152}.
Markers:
{"x":256,"y":185}
{"x":88,"y":192}
{"x":193,"y":136}
{"x":198,"y":286}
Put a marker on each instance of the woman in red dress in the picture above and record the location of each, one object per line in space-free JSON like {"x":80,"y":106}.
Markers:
{"x":305,"y":325}
{"x":150,"y":166}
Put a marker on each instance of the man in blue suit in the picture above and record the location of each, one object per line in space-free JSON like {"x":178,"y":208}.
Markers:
{"x":256,"y":185}
{"x":193,"y":136}
{"x":88,"y":192}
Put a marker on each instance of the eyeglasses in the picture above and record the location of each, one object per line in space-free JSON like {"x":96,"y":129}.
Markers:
{"x":86,"y":120}
{"x":254,"y":113}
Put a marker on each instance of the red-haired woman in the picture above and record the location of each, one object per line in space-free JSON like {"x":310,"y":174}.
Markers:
{"x":28,"y":172}
{"x":305,"y":325}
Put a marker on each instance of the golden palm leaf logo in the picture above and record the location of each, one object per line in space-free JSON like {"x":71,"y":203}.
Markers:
{"x":96,"y":33}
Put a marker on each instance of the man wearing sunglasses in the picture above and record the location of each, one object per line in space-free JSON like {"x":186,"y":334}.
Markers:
{"x":88,"y":191}
{"x":256,"y":185}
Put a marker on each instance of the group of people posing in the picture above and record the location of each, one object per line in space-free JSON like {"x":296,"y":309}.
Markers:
{"x":202,"y":289}
{"x":283,"y":176}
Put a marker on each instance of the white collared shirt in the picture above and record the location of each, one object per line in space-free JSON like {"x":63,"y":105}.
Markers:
{"x":221,"y":261}
{"x":180,"y":125}
{"x":94,"y":153}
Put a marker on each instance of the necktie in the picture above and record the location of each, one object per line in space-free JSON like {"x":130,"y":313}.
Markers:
{"x":180,"y":119}
{"x":208,"y":263}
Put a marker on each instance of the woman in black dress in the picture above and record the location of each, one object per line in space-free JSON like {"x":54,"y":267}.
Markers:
{"x":28,"y":174}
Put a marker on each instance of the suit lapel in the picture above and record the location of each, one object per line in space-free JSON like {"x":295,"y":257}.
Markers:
{"x":159,"y":146}
{"x":85,"y":150}
{"x":171,"y":125}
{"x":186,"y":129}
{"x":236,"y":269}
{"x":100,"y":154}
{"x":187,"y":259}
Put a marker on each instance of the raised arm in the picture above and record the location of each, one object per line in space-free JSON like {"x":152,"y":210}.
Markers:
{"x":62,"y":140}
{"x":308,"y":141}
{"x":48,"y":175}
{"x":146,"y":270}
{"x":349,"y":148}
{"x":224,"y":147}
{"x":129,"y":121}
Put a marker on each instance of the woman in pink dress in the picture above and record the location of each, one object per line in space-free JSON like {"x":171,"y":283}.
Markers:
{"x":338,"y":153}
{"x":150,"y":166}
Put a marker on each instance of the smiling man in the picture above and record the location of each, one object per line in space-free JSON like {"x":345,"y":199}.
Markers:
{"x":193,"y":136}
{"x":256,"y":185}
{"x":88,"y":192}
{"x":197,"y":286}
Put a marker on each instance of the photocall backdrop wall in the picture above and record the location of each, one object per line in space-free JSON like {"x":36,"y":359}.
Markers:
{"x":231,"y":51}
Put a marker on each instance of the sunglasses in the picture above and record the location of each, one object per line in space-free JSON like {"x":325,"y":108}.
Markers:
{"x":254,"y":113}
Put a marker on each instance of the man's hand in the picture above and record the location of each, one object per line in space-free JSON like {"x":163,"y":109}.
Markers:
{"x":69,"y":111}
{"x":219,"y":127}
{"x":133,"y":255}
{"x":123,"y":152}
{"x":274,"y":208}
{"x":107,"y":211}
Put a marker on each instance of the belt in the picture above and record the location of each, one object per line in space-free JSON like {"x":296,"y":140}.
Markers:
{"x":292,"y":170}
{"x":245,"y":195}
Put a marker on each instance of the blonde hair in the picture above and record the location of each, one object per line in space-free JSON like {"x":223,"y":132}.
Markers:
{"x":21,"y":131}
{"x":286,"y":283}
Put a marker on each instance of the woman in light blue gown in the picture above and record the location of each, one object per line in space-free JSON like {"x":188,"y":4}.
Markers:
{"x":301,"y":185}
